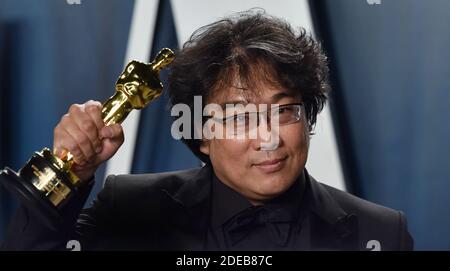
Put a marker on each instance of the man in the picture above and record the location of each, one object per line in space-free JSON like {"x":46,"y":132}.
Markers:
{"x":253,"y":193}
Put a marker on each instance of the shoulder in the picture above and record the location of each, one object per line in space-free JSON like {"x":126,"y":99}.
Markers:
{"x":164,"y":180}
{"x":361,"y":207}
{"x":129,"y":196}
{"x":374,"y":222}
{"x":150,"y":189}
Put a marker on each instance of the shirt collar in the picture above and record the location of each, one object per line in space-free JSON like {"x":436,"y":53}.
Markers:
{"x":226,"y":202}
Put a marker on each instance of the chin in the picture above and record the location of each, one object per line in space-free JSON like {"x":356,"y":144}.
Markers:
{"x":272,"y":187}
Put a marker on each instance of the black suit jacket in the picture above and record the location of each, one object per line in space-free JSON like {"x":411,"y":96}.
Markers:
{"x":170,"y":211}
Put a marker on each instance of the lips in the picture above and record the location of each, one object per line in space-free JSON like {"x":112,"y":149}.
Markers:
{"x":270,"y":166}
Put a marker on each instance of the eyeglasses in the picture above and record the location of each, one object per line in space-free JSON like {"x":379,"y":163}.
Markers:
{"x":245,"y":122}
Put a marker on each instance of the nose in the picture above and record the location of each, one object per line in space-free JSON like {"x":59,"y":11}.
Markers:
{"x":268,"y":136}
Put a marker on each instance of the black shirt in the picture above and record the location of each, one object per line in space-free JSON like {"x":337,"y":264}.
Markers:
{"x":235,"y":224}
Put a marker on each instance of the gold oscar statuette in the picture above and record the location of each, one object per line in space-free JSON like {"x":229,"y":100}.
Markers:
{"x":46,"y":183}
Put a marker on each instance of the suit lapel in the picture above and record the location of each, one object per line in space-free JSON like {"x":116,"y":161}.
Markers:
{"x":329,"y":226}
{"x":184,"y":222}
{"x":186,"y":212}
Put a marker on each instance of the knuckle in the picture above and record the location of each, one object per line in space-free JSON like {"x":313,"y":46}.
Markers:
{"x":65,"y":118}
{"x":79,"y":159}
{"x":56,"y":130}
{"x":93,"y":102}
{"x":121,"y":134}
{"x":83,"y":139}
{"x":57,"y":135}
{"x":74,"y":108}
{"x":117,"y":128}
{"x":87,"y":126}
{"x":113,"y":130}
{"x":72,"y":147}
{"x":121,"y":131}
{"x":92,"y":108}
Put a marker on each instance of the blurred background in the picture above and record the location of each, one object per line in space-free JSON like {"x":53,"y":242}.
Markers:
{"x":383,"y":137}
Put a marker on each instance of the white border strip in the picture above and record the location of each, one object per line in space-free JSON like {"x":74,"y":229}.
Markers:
{"x":323,"y":158}
{"x":139,"y":46}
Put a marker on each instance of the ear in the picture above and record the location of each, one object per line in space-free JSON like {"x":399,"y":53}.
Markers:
{"x":204,"y":147}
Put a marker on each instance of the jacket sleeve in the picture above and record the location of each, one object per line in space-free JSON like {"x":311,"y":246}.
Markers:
{"x":406,"y":242}
{"x":26,"y":232}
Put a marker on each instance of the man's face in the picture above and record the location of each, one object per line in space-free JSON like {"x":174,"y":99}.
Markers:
{"x":256,"y":172}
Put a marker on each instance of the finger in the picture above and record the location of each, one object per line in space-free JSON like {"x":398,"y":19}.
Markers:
{"x":58,"y":150}
{"x":112,"y":131}
{"x":68,"y":144}
{"x":94,"y":109}
{"x":87,"y":126}
{"x":74,"y":133}
{"x":117,"y":131}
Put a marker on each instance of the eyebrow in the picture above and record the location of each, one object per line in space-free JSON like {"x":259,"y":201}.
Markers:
{"x":223,"y":105}
{"x":280,"y":95}
{"x":274,"y":99}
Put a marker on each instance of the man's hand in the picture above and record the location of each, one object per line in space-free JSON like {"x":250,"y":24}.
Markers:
{"x":82,"y":133}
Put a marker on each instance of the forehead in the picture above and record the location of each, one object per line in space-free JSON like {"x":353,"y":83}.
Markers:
{"x":263,"y":94}
{"x":256,"y":83}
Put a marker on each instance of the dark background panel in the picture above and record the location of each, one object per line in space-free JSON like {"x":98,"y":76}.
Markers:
{"x":391,"y":75}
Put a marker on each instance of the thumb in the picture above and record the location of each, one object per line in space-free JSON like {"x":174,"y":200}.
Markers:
{"x":111,"y":131}
{"x":112,"y":138}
